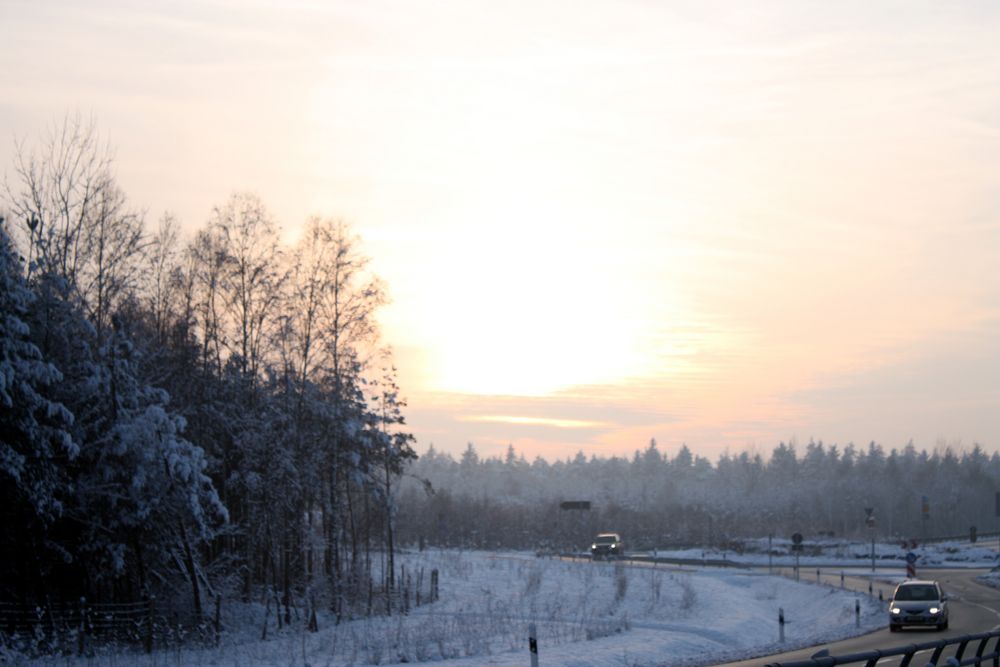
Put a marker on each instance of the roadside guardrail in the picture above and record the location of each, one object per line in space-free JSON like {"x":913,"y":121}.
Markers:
{"x":956,"y":659}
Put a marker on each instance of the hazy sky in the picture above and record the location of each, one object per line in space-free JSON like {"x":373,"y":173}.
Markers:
{"x":725,"y":224}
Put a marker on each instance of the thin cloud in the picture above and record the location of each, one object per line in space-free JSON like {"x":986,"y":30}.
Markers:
{"x":536,"y":421}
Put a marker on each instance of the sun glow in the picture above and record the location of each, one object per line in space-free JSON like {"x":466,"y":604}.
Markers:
{"x":535,"y":285}
{"x":536,"y":308}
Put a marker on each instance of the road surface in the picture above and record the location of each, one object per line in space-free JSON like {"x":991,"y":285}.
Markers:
{"x":973,"y":608}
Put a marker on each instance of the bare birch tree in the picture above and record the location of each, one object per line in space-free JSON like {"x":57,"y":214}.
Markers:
{"x":77,"y":220}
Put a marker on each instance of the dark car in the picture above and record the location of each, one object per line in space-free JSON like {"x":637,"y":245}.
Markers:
{"x":918,"y":603}
{"x":607,"y":546}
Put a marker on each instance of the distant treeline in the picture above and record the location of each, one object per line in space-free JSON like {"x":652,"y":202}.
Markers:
{"x":207,"y":415}
{"x":656,"y":501}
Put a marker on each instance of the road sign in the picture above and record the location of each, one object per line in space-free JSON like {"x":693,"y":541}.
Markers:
{"x":575,"y":505}
{"x":911,"y":557}
{"x":797,"y":538}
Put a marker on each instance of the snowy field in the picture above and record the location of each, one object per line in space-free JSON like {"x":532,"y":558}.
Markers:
{"x":587,"y":614}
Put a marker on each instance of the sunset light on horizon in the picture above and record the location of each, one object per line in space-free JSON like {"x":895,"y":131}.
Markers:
{"x":725,"y":225}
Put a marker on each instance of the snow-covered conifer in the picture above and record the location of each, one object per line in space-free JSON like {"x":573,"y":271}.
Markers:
{"x":34,"y":439}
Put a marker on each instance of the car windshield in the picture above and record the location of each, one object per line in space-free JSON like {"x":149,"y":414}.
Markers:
{"x":606,"y":539}
{"x":915,"y":593}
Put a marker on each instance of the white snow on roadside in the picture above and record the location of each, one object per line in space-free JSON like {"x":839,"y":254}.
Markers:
{"x":587,"y":614}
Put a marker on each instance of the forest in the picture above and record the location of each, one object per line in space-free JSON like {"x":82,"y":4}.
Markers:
{"x":660,"y":501}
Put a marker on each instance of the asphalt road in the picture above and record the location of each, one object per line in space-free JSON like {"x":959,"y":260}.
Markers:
{"x":973,"y":608}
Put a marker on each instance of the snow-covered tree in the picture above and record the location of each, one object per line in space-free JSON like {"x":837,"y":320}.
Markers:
{"x":35,"y":441}
{"x":144,"y":492}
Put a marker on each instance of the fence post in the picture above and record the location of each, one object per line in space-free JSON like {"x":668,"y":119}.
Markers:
{"x":817,"y":575}
{"x":401,"y":589}
{"x":870,"y":594}
{"x":841,"y":579}
{"x":313,"y":623}
{"x":218,"y":617}
{"x":52,"y":620}
{"x":81,"y":635}
{"x":434,"y":585}
{"x":267,"y":613}
{"x":533,"y":644}
{"x":148,"y":639}
{"x":781,"y":625}
{"x":409,"y":586}
{"x":857,"y":613}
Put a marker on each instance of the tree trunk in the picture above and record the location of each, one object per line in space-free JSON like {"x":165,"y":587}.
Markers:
{"x":192,"y":571}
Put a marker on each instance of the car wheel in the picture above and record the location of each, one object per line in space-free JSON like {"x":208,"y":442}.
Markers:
{"x":893,"y":628}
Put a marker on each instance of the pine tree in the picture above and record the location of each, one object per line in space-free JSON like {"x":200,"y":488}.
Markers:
{"x":35,"y":442}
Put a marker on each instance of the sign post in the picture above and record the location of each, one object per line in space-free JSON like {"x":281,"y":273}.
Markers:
{"x":870,"y":522}
{"x":533,"y":644}
{"x":797,"y":548}
{"x":911,"y":565}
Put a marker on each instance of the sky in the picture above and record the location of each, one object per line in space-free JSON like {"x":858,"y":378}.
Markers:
{"x":719,"y":224}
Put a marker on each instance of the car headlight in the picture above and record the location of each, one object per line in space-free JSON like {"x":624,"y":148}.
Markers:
{"x":593,"y":546}
{"x":934,"y":610}
{"x":896,"y":610}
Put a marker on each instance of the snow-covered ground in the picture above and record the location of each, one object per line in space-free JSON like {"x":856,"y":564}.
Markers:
{"x":586,"y":614}
{"x":840,"y":553}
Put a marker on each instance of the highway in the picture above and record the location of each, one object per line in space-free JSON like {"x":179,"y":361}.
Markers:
{"x":973,"y":607}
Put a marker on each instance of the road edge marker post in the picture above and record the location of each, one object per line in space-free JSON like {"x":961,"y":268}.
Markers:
{"x":533,"y":644}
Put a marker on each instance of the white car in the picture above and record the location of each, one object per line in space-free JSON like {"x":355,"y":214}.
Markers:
{"x":918,"y":603}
